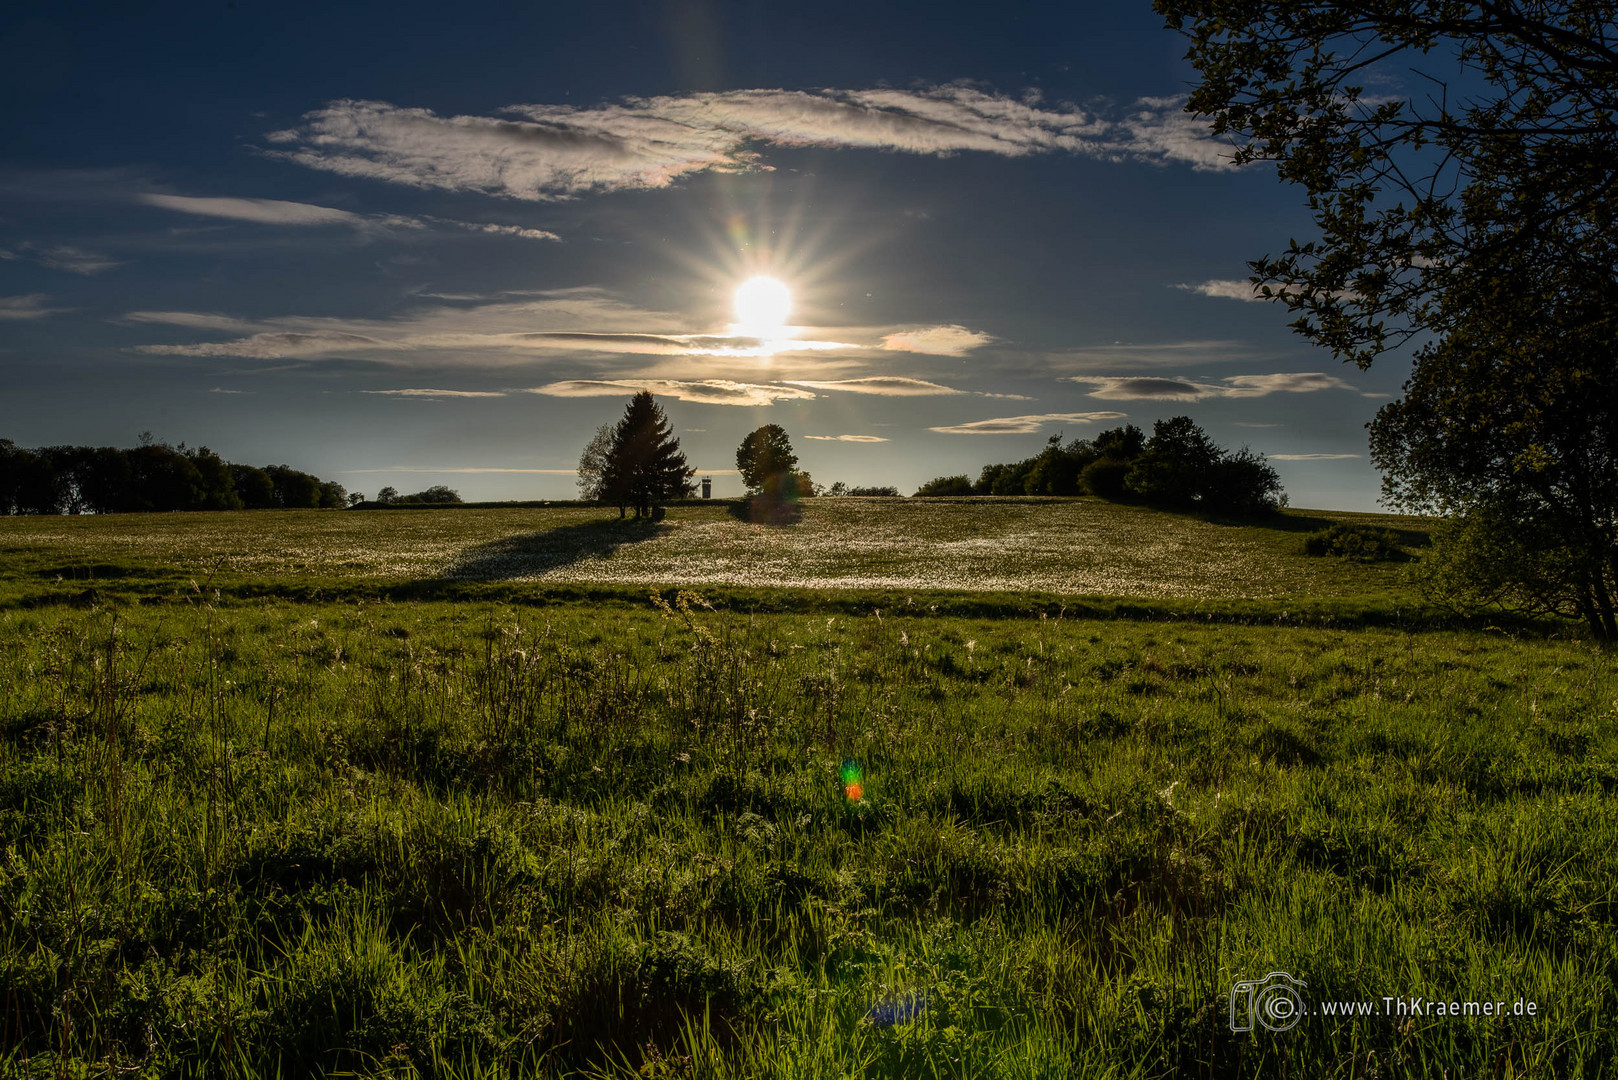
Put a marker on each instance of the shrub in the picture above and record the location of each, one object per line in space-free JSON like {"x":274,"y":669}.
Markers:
{"x":1355,"y":542}
{"x":945,"y":485}
{"x":438,"y":493}
{"x":1105,"y":478}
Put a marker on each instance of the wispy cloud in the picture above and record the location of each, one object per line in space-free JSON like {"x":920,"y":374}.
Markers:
{"x":950,"y":340}
{"x":1024,"y":425}
{"x":1223,"y":289}
{"x":502,"y":230}
{"x":74,"y":260}
{"x":557,"y":151}
{"x":261,"y":211}
{"x":27,"y":306}
{"x":737,"y":345}
{"x":448,"y":469}
{"x":1136,"y":356}
{"x":301,"y":215}
{"x":885,"y":385}
{"x":426,"y":393}
{"x":1153,"y":388}
{"x":847,"y":438}
{"x":1312,"y":457}
{"x":201,"y":320}
{"x":274,"y":345}
{"x":701,"y":391}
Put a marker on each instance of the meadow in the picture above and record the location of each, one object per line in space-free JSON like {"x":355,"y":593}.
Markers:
{"x":507,"y":792}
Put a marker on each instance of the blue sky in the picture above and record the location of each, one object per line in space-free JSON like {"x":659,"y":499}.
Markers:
{"x":407,"y":245}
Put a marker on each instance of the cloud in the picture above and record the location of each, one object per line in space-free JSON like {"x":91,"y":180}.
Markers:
{"x":1151,"y":388}
{"x":950,"y":340}
{"x":439,"y":393}
{"x":1312,"y":457}
{"x":1244,"y":423}
{"x":1296,"y":382}
{"x":886,"y":385}
{"x":222,"y":390}
{"x":703,"y":391}
{"x":641,"y":143}
{"x":201,"y":320}
{"x":1160,"y":130}
{"x":502,"y":230}
{"x":1138,"y":388}
{"x":27,"y":306}
{"x":279,"y":212}
{"x":262,"y":211}
{"x":471,"y":469}
{"x":1024,"y":425}
{"x":847,"y":438}
{"x":272,"y":346}
{"x":1160,"y":354}
{"x":1224,"y":289}
{"x":62,"y":257}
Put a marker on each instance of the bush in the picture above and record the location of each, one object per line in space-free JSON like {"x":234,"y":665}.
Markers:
{"x":438,"y":493}
{"x":1105,"y":478}
{"x":945,"y":485}
{"x":872,"y":492}
{"x":1355,"y":542}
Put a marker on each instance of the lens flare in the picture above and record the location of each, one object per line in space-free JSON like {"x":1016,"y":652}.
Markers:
{"x":853,"y":787}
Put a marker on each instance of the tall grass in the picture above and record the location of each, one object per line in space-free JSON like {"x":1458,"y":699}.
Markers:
{"x":469,"y":839}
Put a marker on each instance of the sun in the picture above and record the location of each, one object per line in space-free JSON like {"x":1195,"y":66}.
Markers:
{"x":762,"y":305}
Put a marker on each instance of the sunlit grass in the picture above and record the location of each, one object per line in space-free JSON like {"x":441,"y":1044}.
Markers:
{"x":1059,"y":546}
{"x":475,"y":839}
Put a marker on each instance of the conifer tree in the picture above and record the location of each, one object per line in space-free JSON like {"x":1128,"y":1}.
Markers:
{"x":645,"y":465}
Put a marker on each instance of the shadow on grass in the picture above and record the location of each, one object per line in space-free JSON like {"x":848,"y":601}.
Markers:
{"x":534,"y":553}
{"x":762,"y":511}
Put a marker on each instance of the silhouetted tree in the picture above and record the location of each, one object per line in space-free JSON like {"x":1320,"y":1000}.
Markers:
{"x":294,"y":490}
{"x":333,"y":496}
{"x":645,"y":466}
{"x":765,"y":454}
{"x":254,"y":487}
{"x":945,"y":485}
{"x":1177,"y":465}
{"x":593,"y":462}
{"x":438,"y":493}
{"x":388,"y":495}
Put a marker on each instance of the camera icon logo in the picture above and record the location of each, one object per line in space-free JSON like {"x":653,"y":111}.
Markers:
{"x":1273,"y":1002}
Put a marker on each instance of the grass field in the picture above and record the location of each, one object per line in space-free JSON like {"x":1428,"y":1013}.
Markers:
{"x":301,"y":794}
{"x":1066,"y":546}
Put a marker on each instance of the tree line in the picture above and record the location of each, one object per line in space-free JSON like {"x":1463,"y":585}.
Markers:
{"x":151,"y":477}
{"x":1178,"y":468}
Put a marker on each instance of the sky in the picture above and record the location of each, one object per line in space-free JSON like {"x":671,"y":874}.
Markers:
{"x":405,"y":245}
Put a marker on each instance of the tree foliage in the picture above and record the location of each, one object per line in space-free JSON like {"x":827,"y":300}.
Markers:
{"x":1504,"y":141}
{"x":945,"y":485}
{"x":764,"y":454}
{"x":593,"y":460}
{"x":1179,"y":467}
{"x":150,"y":477}
{"x":1509,"y":424}
{"x":645,"y":466}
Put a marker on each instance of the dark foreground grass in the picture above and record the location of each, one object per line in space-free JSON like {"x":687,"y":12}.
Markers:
{"x":474,"y":838}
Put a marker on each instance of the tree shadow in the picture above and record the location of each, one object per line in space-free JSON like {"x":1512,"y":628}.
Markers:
{"x":765,"y":511}
{"x":534,"y":553}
